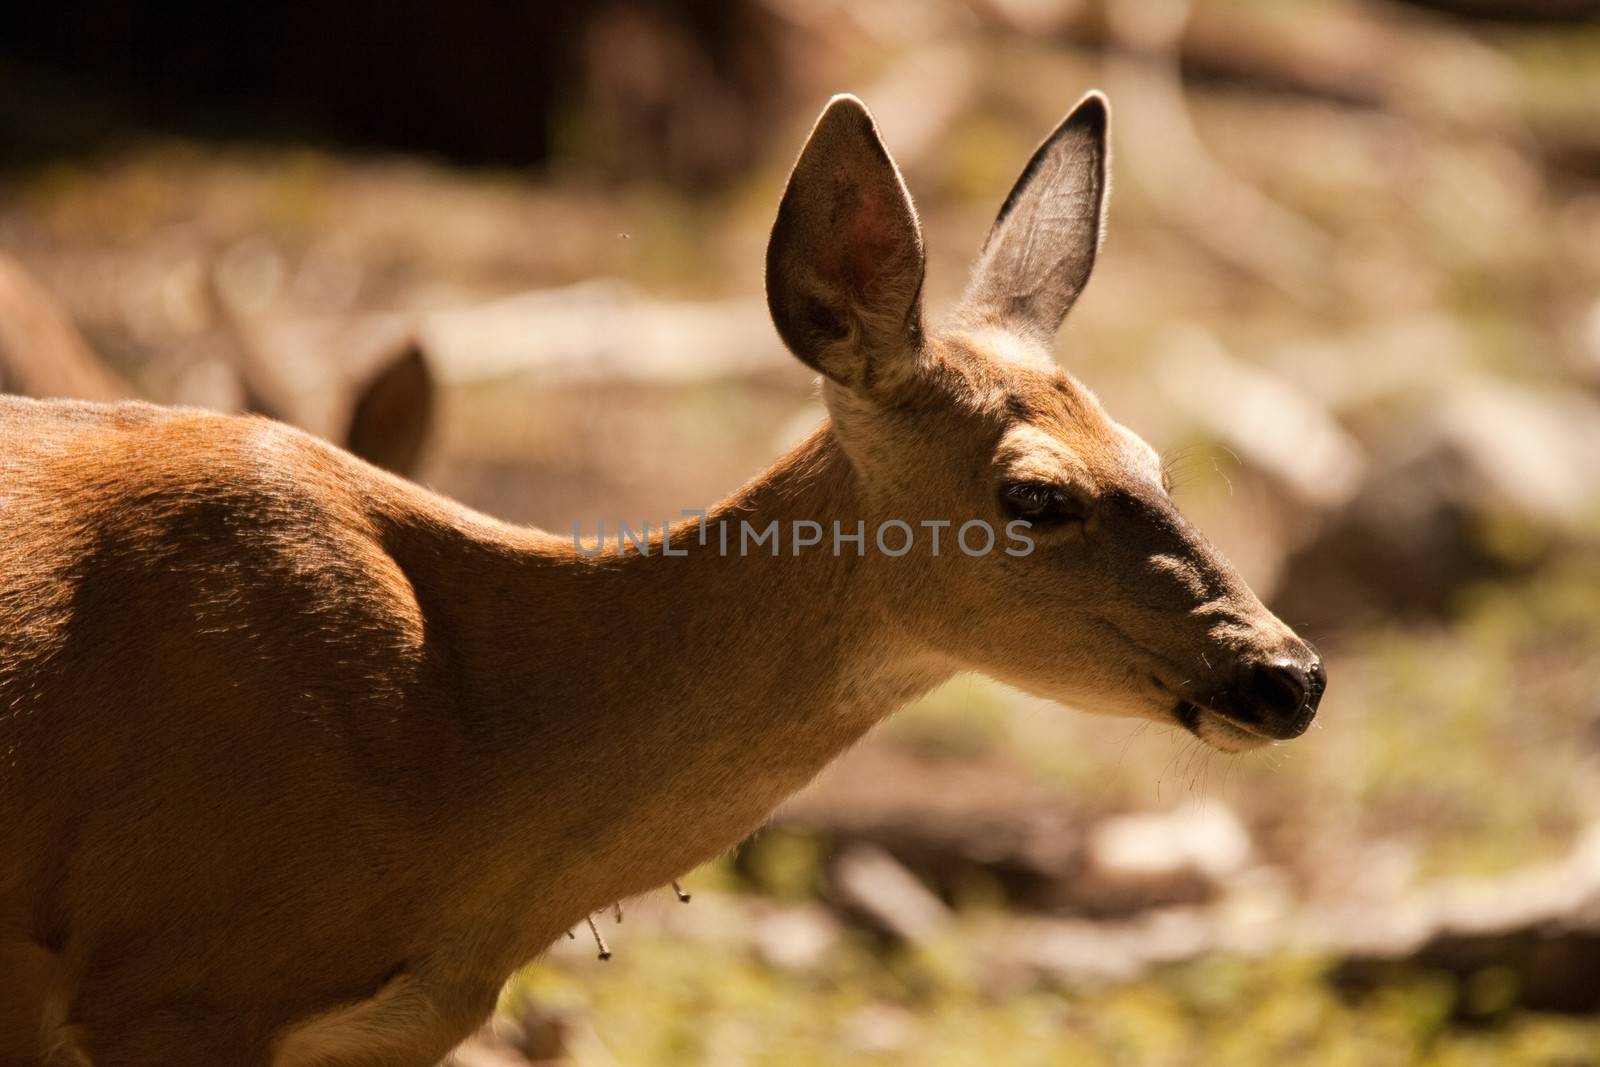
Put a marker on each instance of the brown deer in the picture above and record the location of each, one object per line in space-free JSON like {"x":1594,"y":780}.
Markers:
{"x":299,"y":761}
{"x":383,"y":397}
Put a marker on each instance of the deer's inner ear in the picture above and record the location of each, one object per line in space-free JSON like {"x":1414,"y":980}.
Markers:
{"x":845,"y":261}
{"x":1042,"y":247}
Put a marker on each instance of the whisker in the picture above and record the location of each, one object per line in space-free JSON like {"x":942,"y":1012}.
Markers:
{"x":1127,"y":742}
{"x":1222,"y":475}
{"x":1179,"y":466}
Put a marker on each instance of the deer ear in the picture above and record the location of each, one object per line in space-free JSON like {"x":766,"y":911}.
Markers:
{"x":1041,"y":248}
{"x":845,"y":261}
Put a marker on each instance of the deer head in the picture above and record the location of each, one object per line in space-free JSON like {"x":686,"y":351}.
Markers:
{"x":1120,"y":606}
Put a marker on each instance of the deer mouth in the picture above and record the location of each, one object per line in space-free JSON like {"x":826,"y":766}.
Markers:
{"x":1216,"y":729}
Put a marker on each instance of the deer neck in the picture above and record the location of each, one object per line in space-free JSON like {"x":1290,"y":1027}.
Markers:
{"x":674,"y":700}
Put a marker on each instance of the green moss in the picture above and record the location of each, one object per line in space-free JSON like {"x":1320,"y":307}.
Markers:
{"x":669,"y":1003}
{"x":780,"y":864}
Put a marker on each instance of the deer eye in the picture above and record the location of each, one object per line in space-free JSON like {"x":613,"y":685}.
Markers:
{"x":1040,"y":503}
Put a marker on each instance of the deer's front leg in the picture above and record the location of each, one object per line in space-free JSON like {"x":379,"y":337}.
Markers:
{"x":404,"y":1024}
{"x":27,"y":975}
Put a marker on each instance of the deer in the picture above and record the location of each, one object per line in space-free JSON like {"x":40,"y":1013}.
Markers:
{"x":388,"y":388}
{"x":300,"y":761}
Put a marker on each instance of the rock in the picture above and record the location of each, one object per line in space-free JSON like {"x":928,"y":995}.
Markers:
{"x":1533,"y":451}
{"x":1265,"y":419}
{"x":878,"y":1029}
{"x":949,"y":821}
{"x":1535,"y":932}
{"x":1161,"y":859}
{"x":871,"y":884}
{"x":1209,"y":841}
{"x":1075,"y":950}
{"x":1483,"y":481}
{"x":957,"y":824}
{"x":797,"y":939}
{"x":1530,"y":938}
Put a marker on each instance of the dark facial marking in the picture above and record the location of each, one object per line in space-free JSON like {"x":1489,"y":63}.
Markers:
{"x":1188,"y":716}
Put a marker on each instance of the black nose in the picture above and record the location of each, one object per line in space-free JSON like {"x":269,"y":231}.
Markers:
{"x":1281,"y":696}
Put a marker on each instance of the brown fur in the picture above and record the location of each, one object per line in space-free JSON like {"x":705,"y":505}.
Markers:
{"x":299,"y":761}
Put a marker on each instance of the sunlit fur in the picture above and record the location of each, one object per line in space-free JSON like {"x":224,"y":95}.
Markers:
{"x":299,"y":761}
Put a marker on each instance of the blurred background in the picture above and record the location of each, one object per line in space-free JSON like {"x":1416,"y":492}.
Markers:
{"x":1351,"y":289}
